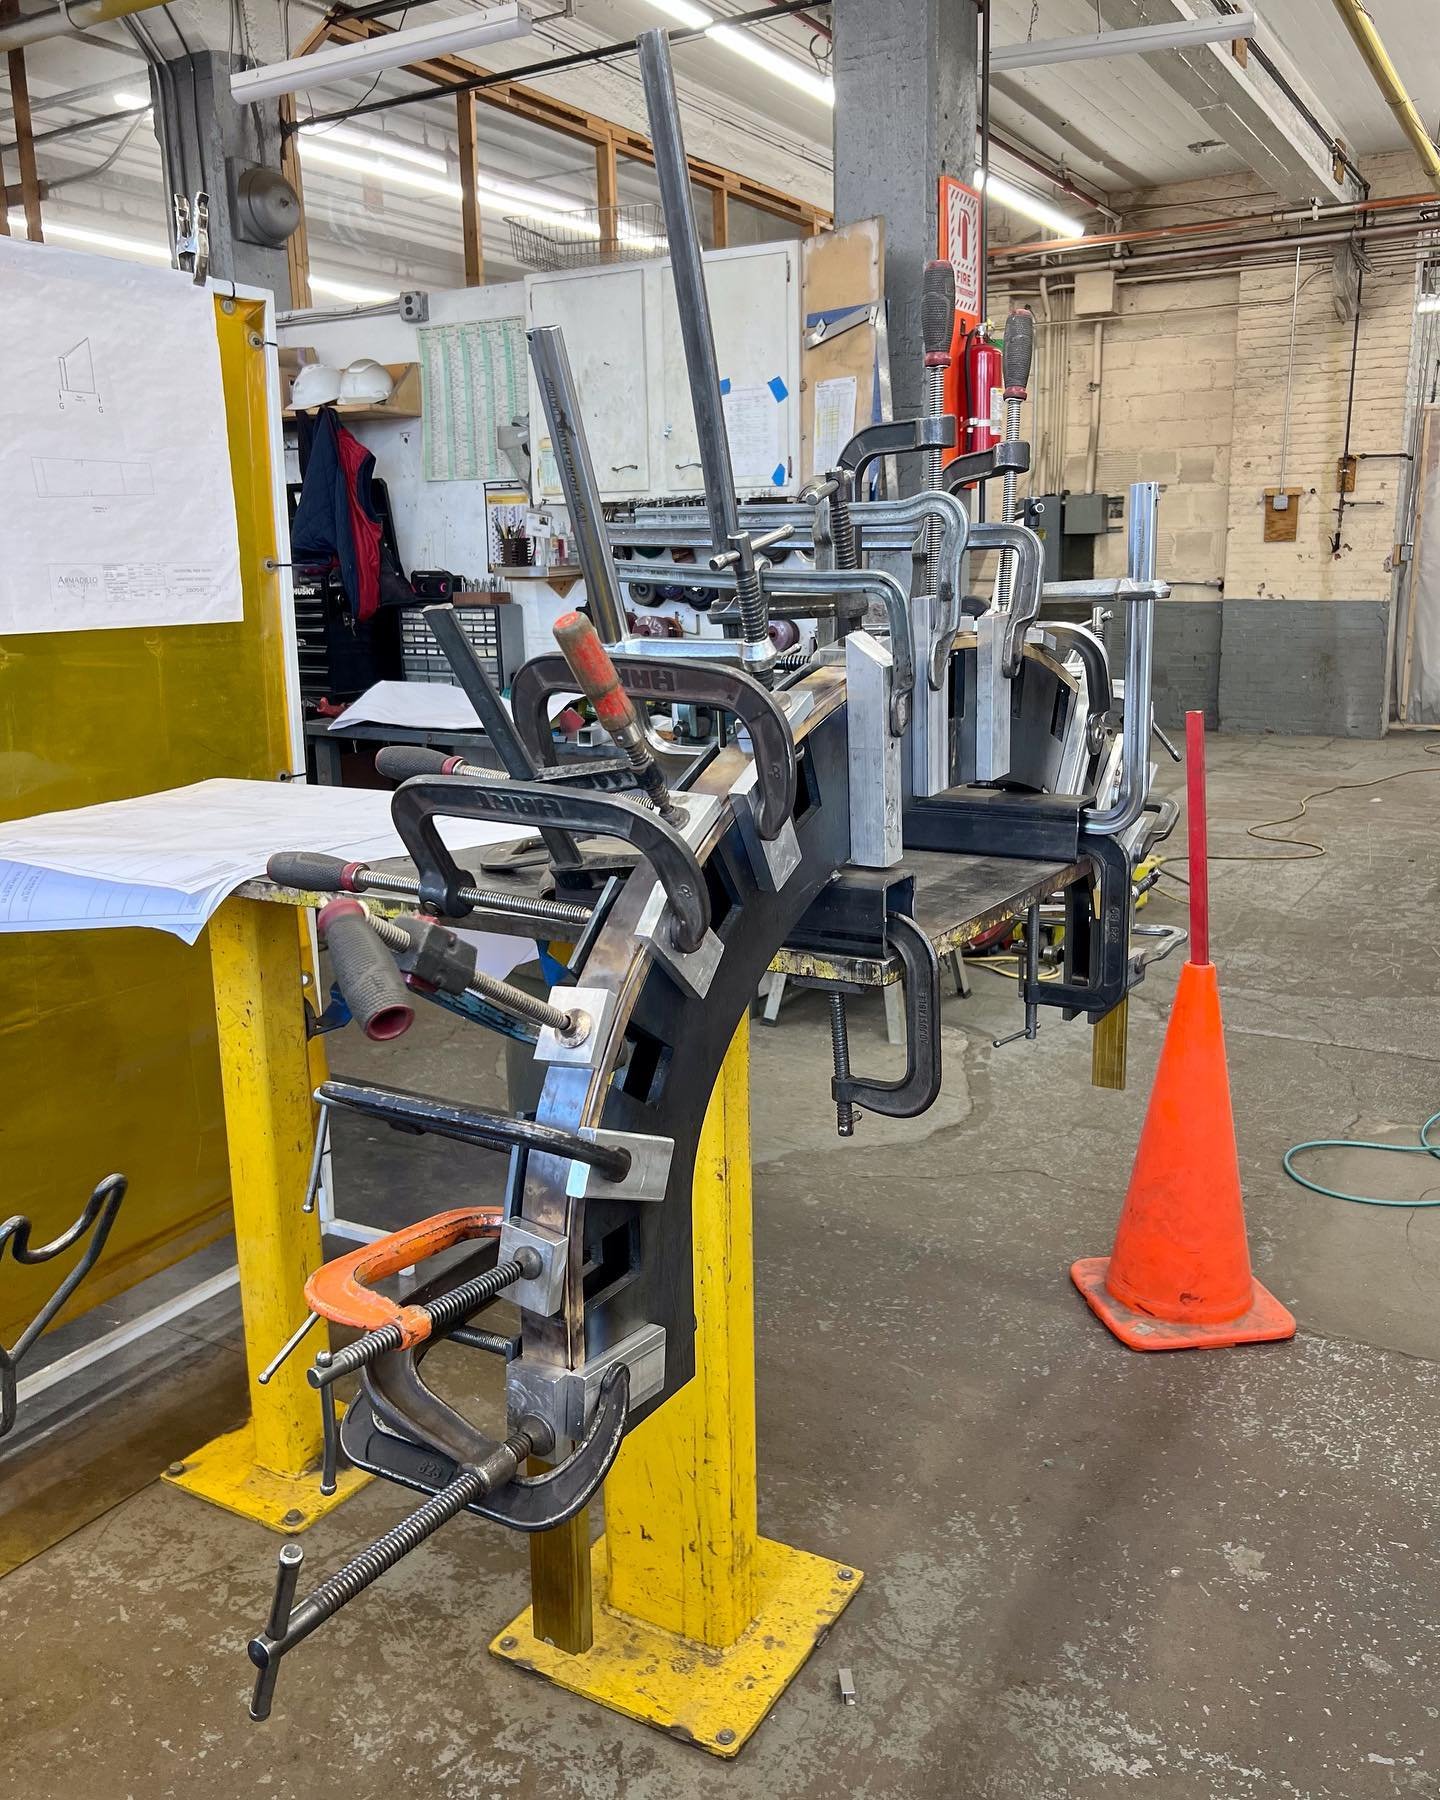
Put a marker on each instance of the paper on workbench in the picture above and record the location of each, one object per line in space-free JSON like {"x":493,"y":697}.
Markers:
{"x":168,"y":860}
{"x":417,"y":705}
{"x":422,"y":706}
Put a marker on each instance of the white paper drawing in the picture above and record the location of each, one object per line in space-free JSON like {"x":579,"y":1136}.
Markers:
{"x":119,"y":507}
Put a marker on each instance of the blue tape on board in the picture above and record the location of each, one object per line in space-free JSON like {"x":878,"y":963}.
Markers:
{"x":777,"y":475}
{"x":725,"y":385}
{"x":778,"y":388}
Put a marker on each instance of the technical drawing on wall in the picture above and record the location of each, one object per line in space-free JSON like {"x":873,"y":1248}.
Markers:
{"x":78,"y":386}
{"x":119,"y":505}
{"x":90,"y":477}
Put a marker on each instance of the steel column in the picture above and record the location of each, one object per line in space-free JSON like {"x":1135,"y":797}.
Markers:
{"x":904,"y":115}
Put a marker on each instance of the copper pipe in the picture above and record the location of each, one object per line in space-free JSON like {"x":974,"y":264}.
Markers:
{"x":1202,"y":227}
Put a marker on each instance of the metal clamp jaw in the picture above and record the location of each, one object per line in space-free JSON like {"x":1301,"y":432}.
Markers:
{"x":728,"y":690}
{"x":899,"y":437}
{"x":419,"y":804}
{"x":398,"y":1427}
{"x":919,"y":1087}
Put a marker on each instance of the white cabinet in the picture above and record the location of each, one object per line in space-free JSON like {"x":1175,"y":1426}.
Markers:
{"x":603,"y":318}
{"x":622,"y":331}
{"x":754,"y":311}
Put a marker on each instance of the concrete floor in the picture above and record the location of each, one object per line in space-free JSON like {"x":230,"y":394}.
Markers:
{"x":1202,"y":1577}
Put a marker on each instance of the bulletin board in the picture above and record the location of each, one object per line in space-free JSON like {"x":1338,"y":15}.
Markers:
{"x":842,"y":272}
{"x":108,"y":1058}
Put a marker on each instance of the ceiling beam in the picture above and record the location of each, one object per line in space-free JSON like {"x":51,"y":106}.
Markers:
{"x":1252,"y":98}
{"x":1137,"y":41}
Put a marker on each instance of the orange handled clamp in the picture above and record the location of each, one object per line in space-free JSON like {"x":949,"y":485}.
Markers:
{"x":592,"y":668}
{"x":596,"y":677}
{"x":340,"y":1290}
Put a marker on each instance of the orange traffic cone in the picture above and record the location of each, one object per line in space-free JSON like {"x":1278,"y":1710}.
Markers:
{"x":1179,"y":1276}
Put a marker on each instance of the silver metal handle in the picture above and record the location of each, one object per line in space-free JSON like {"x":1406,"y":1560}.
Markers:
{"x":616,"y":468}
{"x":1140,"y":633}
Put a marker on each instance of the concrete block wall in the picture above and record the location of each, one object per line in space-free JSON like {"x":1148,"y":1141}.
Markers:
{"x":1310,"y":568}
{"x":1193,"y":395}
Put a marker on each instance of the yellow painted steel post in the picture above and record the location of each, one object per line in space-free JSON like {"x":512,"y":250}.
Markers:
{"x":268,"y":1470}
{"x":699,"y":1623}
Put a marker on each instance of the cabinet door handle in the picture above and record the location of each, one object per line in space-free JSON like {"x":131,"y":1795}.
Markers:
{"x":693,"y":463}
{"x":615,"y":468}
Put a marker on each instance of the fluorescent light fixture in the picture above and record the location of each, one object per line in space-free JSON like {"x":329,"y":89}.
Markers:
{"x":348,"y":291}
{"x":97,"y":240}
{"x":1139,"y":40}
{"x":1430,"y":303}
{"x":372,"y":56}
{"x":742,"y":43}
{"x":317,"y":149}
{"x":129,"y":102}
{"x":518,"y":198}
{"x":136,"y":248}
{"x":378,"y":143}
{"x":1028,"y":205}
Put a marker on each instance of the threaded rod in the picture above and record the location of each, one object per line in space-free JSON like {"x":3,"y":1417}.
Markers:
{"x":840,"y":1051}
{"x":450,"y":1309}
{"x":501,"y":994}
{"x":558,"y":912}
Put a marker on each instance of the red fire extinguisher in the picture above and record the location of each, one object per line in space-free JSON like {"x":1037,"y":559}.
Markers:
{"x":984,"y":392}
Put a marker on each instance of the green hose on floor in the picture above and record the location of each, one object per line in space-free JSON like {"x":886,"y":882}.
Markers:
{"x":1423,"y":1148}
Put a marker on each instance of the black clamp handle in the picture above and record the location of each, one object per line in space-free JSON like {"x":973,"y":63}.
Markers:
{"x":679,"y":683}
{"x":419,"y":804}
{"x":919,"y":1087}
{"x":428,"y":1114}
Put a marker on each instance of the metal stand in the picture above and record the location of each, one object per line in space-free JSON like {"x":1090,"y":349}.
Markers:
{"x":268,"y":1470}
{"x":699,"y":1624}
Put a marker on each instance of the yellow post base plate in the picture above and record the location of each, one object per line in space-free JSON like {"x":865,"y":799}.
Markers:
{"x":225,"y":1472}
{"x":711,"y":1698}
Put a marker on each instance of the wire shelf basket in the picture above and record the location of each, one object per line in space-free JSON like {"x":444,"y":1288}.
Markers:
{"x":590,"y":234}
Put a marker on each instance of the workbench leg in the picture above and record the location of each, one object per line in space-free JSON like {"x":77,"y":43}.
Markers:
{"x":268,"y":1470}
{"x":699,"y":1623}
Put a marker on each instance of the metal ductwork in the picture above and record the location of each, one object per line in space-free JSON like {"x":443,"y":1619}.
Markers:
{"x":34,"y":28}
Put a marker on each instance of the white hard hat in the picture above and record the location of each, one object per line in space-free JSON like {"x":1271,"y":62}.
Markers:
{"x":366,"y":381}
{"x":317,"y":384}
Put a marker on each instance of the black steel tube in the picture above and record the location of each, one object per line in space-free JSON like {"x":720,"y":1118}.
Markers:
{"x":688,"y":269}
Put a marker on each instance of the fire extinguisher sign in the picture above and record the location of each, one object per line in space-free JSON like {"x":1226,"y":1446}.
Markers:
{"x":960,"y":242}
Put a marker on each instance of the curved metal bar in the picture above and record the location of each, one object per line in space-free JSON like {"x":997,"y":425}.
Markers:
{"x":1093,"y":658}
{"x":99,"y":1210}
{"x":419,"y":803}
{"x":875,"y":584}
{"x":687,"y":683}
{"x":1029,"y":558}
{"x":528,"y":1503}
